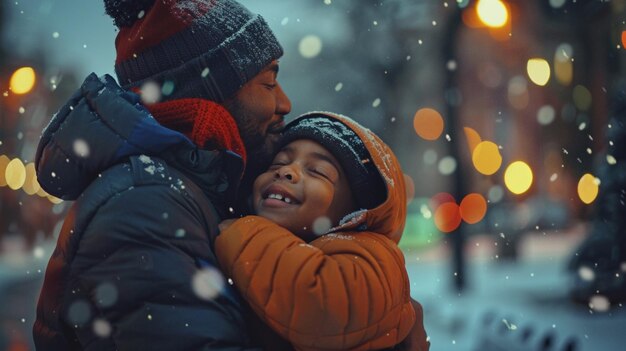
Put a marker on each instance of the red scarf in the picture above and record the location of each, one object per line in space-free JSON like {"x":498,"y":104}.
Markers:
{"x":208,"y":124}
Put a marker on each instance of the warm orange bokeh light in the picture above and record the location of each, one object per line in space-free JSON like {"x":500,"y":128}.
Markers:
{"x":54,"y":200}
{"x":624,"y":39}
{"x":493,"y":13}
{"x":518,"y":177}
{"x":31,"y":185}
{"x":428,"y":123}
{"x":473,"y":138}
{"x":15,"y":174}
{"x":486,"y":158}
{"x":588,"y":188}
{"x":447,"y":217}
{"x":4,"y":161}
{"x":440,"y":198}
{"x":23,"y":80}
{"x":473,"y":208}
{"x":538,"y":70}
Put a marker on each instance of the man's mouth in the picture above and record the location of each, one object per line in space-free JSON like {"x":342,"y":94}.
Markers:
{"x":276,"y":128}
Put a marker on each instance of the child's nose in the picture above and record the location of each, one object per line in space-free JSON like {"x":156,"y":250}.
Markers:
{"x":287,"y":173}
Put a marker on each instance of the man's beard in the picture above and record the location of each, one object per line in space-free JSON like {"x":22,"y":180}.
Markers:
{"x":259,"y":150}
{"x":259,"y":147}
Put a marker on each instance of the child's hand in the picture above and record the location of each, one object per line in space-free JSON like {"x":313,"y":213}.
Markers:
{"x":225,"y":224}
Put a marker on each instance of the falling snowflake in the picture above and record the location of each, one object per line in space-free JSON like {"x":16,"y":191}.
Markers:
{"x":207,"y":283}
{"x":180,"y":233}
{"x":102,"y":328}
{"x":509,"y":326}
{"x":321,"y":225}
{"x":585,"y":273}
{"x":79,"y":312}
{"x":599,"y":303}
{"x":150,"y":92}
{"x":81,"y":148}
{"x":106,"y":294}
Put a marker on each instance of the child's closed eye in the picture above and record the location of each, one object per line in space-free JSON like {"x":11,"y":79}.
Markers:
{"x":275,"y":165}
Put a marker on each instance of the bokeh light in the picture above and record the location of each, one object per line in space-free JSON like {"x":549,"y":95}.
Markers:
{"x":624,"y":39}
{"x":150,"y":93}
{"x":430,"y":157}
{"x":106,"y":294}
{"x":42,"y":192}
{"x":79,"y":312}
{"x":428,"y":123}
{"x":473,"y":138}
{"x":441,"y":198}
{"x":517,"y":92}
{"x":495,"y":194}
{"x":447,"y":165}
{"x":492,"y":13}
{"x":538,"y":71}
{"x":447,"y":217}
{"x":15,"y":174}
{"x":486,"y":158}
{"x":582,"y":98}
{"x":23,"y":80}
{"x":599,"y":303}
{"x":102,"y":328}
{"x":55,"y":200}
{"x":4,"y":161}
{"x":546,"y":115}
{"x":31,"y":185}
{"x":473,"y":208}
{"x":207,"y":283}
{"x":321,"y":225}
{"x":588,"y":187}
{"x":310,"y":46}
{"x":563,"y":66}
{"x":518,"y":177}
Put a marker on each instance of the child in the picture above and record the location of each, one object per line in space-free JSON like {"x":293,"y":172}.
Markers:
{"x":347,"y":289}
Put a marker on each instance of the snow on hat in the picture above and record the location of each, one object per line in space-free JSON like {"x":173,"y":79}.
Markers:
{"x":366,"y":183}
{"x":201,"y":48}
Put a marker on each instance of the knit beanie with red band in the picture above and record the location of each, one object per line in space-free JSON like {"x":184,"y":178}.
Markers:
{"x":196,"y":48}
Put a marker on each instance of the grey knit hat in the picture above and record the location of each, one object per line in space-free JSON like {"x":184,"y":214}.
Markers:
{"x":366,"y":184}
{"x":196,"y":48}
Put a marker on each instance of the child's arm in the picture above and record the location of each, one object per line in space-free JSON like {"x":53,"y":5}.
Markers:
{"x":339,"y":292}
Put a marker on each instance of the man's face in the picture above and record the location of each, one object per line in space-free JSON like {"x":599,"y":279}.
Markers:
{"x":259,"y":108}
{"x":304,"y":182}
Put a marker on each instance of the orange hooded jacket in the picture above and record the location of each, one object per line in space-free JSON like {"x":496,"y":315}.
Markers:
{"x":346,"y":290}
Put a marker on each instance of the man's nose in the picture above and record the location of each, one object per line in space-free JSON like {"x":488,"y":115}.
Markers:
{"x":283,"y":104}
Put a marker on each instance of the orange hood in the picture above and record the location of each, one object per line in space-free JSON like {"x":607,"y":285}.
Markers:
{"x":389,"y":217}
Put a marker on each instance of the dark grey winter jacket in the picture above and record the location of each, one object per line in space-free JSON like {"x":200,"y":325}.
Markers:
{"x":133,"y":267}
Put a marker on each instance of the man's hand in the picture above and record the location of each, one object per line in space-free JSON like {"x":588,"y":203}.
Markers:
{"x":225,"y":224}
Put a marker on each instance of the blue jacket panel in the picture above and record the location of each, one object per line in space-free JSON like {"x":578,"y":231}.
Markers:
{"x":134,"y":267}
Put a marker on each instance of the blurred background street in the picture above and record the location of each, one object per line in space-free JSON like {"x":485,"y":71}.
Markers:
{"x":508,"y":117}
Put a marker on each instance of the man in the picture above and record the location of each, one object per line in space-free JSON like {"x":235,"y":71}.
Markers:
{"x":134,"y":268}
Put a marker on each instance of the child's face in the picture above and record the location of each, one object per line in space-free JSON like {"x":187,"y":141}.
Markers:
{"x":304,"y":182}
